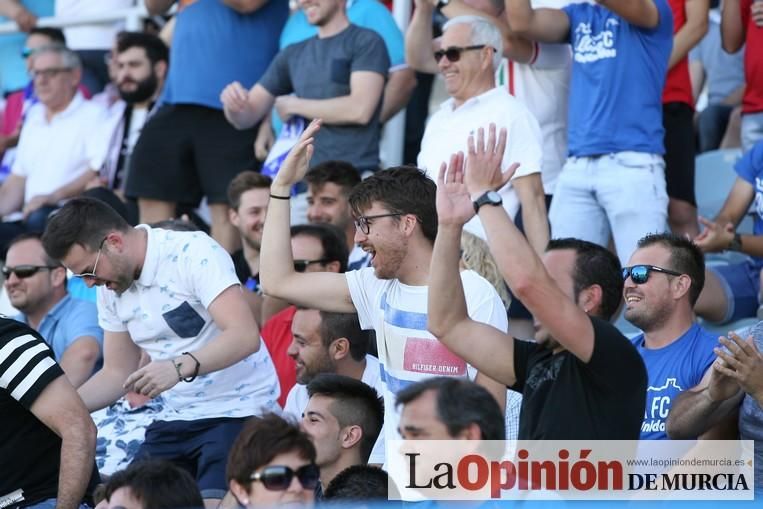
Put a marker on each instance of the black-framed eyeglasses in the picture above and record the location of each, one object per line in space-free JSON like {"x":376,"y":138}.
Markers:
{"x":95,"y":265}
{"x":302,"y":265}
{"x":454,"y":52}
{"x":279,"y":477}
{"x":25,"y":271}
{"x":639,"y":274}
{"x":49,"y":73}
{"x":363,"y":223}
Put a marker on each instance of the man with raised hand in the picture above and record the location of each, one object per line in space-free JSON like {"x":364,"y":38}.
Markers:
{"x":396,"y":222}
{"x":582,"y":379}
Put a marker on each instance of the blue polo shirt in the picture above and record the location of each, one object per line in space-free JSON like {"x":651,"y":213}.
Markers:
{"x":68,"y":321}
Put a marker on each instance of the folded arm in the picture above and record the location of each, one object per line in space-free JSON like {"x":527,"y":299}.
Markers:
{"x":542,"y":25}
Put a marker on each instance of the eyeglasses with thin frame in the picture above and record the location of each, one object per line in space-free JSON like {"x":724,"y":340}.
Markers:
{"x":92,"y":274}
{"x":48,"y":73}
{"x":363,"y":223}
{"x":302,"y":265}
{"x":639,"y":274}
{"x":25,"y":271}
{"x":454,"y":52}
{"x":279,"y":477}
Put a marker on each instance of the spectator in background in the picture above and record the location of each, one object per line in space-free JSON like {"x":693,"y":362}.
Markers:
{"x":325,"y":342}
{"x":203,"y":341}
{"x":47,"y":439}
{"x":396,"y":222}
{"x":337,"y":76}
{"x":13,"y":75}
{"x":328,"y":189}
{"x":689,"y":26}
{"x":211,"y":47}
{"x":358,"y":483}
{"x":314,"y":248}
{"x":470,"y":55}
{"x":581,"y":379}
{"x":140,"y":66}
{"x":663,"y":279}
{"x":150,"y":484}
{"x":344,"y":418}
{"x":36,"y":286}
{"x":742,"y":24}
{"x":732,"y":291}
{"x":724,"y":75}
{"x":272,"y":463}
{"x":613,"y":184}
{"x":58,"y":147}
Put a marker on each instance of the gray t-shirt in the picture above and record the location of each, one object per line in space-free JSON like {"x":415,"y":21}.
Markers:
{"x":751,"y":416}
{"x":725,"y":73}
{"x":320,"y":68}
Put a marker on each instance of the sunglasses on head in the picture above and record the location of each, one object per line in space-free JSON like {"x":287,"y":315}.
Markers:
{"x":25,"y":271}
{"x":278,"y":477}
{"x":639,"y":274}
{"x":301,"y":265}
{"x":454,"y":52}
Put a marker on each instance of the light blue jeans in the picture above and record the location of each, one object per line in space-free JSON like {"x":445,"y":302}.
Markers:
{"x":752,"y":129}
{"x":621,"y":194}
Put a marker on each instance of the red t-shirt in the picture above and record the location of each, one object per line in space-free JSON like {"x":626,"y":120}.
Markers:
{"x":752,"y":102}
{"x":277,"y":336}
{"x":678,"y":82}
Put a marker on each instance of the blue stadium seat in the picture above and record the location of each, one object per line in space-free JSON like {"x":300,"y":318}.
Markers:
{"x":713,"y":177}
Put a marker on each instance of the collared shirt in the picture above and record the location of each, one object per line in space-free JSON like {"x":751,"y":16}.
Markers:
{"x":53,"y":153}
{"x":448,"y":129}
{"x":166,"y":313}
{"x":69,"y":320}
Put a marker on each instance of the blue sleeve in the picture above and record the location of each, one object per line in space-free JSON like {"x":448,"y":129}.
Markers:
{"x":750,"y":165}
{"x":705,"y":356}
{"x":377,"y":17}
{"x":572,"y":11}
{"x":83,"y":321}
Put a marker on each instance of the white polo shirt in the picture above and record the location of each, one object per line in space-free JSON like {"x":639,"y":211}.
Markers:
{"x":166,"y":313}
{"x":91,"y":36}
{"x":52,"y":154}
{"x":448,"y":129}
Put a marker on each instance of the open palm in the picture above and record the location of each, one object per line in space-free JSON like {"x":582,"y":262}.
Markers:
{"x":297,"y":163}
{"x":454,"y":205}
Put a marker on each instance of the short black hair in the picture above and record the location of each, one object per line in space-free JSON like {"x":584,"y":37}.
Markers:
{"x":344,"y":325}
{"x":354,"y":404}
{"x":341,"y":173}
{"x":155,"y":49}
{"x":358,"y":483}
{"x":157,"y":484}
{"x":83,"y":221}
{"x":460,"y":403}
{"x":50,"y":262}
{"x":403,"y":190}
{"x":594,"y":265}
{"x":685,"y":257}
{"x":332,"y":241}
{"x":56,"y":35}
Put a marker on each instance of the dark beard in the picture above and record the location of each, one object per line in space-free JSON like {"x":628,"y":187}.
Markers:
{"x":144,"y":91}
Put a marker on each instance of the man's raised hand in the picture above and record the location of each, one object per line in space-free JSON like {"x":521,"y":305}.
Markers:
{"x":483,"y":162}
{"x":297,"y":163}
{"x":454,"y":206}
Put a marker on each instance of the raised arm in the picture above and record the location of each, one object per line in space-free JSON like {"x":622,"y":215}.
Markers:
{"x":692,"y":32}
{"x":419,"y":39}
{"x":447,"y":314}
{"x":519,"y":264}
{"x":642,"y":13}
{"x":60,"y":409}
{"x":320,"y":290}
{"x":543,"y":25}
{"x":733,"y":32}
{"x":530,"y":192}
{"x":17,"y":12}
{"x":120,"y":359}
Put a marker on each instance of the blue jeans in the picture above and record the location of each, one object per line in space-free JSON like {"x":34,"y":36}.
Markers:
{"x":621,"y":194}
{"x":711,"y":126}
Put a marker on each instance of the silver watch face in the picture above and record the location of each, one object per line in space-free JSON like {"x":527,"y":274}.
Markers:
{"x":493,"y":197}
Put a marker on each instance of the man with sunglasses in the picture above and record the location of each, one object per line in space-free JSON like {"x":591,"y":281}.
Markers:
{"x":396,"y":223}
{"x":662,"y":282}
{"x":36,"y":286}
{"x":174,"y":295}
{"x":471,"y":52}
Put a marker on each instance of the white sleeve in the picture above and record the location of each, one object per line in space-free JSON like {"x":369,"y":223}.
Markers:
{"x":208,"y":267}
{"x":524,"y":144}
{"x":482,"y":301}
{"x":291,"y":407}
{"x":108,"y":319}
{"x":551,"y":56}
{"x":362,"y":292}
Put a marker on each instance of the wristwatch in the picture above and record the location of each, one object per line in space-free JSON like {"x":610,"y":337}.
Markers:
{"x":736,"y":243}
{"x":487,"y":198}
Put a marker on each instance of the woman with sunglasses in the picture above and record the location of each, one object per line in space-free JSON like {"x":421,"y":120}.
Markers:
{"x":272,"y":464}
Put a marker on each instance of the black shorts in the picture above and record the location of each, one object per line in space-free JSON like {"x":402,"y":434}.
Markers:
{"x":186,"y":152}
{"x":678,"y":120}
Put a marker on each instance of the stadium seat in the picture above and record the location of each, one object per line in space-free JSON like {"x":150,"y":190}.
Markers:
{"x":714,"y":176}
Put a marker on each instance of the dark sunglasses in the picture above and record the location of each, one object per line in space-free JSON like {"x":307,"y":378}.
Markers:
{"x":278,"y":477}
{"x":25,"y":271}
{"x":639,"y":274}
{"x":301,"y":265}
{"x":454,"y":52}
